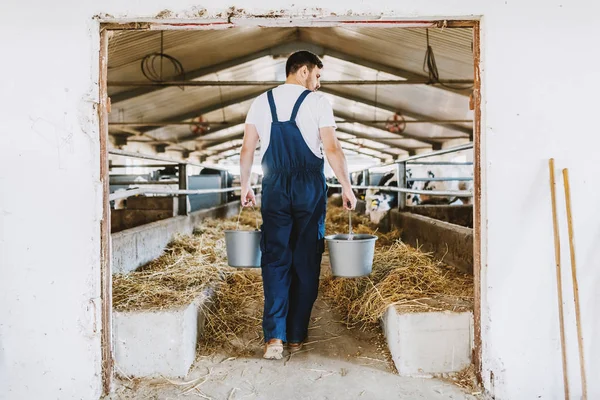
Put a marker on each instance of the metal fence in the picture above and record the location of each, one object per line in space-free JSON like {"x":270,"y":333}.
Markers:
{"x":183,"y":190}
{"x":401,"y":168}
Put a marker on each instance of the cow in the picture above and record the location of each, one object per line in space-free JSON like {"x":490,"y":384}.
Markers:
{"x":378,"y":203}
{"x":358,"y":179}
{"x":425,"y":185}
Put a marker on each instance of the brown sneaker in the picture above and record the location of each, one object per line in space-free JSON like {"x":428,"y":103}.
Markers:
{"x":273,"y":349}
{"x":295,"y":347}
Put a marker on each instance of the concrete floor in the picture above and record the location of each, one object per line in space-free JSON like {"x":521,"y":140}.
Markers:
{"x":337,"y":363}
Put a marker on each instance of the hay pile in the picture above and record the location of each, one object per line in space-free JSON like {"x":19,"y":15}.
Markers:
{"x":465,"y":379}
{"x":190,"y":265}
{"x":234,"y":317}
{"x":401,"y":276}
{"x":181,"y":273}
{"x":174,"y":279}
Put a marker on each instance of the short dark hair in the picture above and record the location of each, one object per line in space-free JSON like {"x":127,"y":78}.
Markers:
{"x":300,"y":59}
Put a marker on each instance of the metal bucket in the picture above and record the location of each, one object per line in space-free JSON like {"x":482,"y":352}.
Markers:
{"x":351,"y":258}
{"x":243,"y":248}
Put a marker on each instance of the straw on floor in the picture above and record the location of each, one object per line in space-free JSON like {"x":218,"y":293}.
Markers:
{"x":401,"y":276}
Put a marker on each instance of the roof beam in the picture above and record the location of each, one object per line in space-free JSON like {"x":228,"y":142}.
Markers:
{"x":388,"y":154}
{"x":207,"y":136}
{"x":195,"y":74}
{"x":341,"y":82}
{"x":408,"y":113}
{"x":218,"y":157}
{"x":403,"y":135}
{"x":348,"y":132}
{"x":217,"y":151}
{"x":134,"y":125}
{"x":361,"y":135}
{"x":362,"y":152}
{"x":213,"y":107}
{"x":401,"y":72}
{"x":220,"y":142}
{"x":282,"y":49}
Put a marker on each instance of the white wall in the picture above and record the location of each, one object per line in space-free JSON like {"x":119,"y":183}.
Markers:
{"x":540,"y":99}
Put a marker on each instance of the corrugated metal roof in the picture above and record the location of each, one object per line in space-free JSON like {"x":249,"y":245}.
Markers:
{"x":194,"y":49}
{"x":402,"y":47}
{"x":395,"y":48}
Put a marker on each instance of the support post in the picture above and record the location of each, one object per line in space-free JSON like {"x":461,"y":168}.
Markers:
{"x":225,"y":195}
{"x":183,"y":185}
{"x":366,"y":178}
{"x":401,"y":172}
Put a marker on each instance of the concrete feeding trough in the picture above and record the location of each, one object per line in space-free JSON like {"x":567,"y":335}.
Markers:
{"x":158,"y":343}
{"x":427,"y":343}
{"x":445,"y":240}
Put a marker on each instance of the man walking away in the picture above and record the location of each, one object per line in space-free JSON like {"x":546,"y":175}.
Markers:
{"x":294,"y":125}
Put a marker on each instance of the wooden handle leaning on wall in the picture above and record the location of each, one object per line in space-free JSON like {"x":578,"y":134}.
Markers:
{"x":559,"y":277}
{"x":575,"y":284}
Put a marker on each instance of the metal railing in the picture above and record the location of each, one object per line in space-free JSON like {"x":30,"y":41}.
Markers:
{"x":457,"y":193}
{"x":142,"y":156}
{"x":401,"y":167}
{"x":178,"y":192}
{"x":182,"y":192}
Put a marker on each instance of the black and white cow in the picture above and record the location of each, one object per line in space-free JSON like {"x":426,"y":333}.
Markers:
{"x":358,"y":179}
{"x":438,"y":171}
{"x":379,"y":203}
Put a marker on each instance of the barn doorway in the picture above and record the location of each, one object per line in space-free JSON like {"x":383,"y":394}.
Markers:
{"x":174,"y":98}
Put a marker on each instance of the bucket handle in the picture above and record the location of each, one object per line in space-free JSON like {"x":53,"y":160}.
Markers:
{"x":350,"y":234}
{"x":237,"y":226}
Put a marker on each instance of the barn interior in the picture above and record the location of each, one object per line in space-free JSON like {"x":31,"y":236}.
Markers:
{"x":402,"y":98}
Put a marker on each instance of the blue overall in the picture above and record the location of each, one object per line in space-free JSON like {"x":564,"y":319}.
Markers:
{"x":292,"y":242}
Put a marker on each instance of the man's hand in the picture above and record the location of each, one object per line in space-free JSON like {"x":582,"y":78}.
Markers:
{"x":248,"y":199}
{"x":348,"y":198}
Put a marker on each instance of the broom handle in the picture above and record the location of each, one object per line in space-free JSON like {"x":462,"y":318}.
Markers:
{"x":558,"y":278}
{"x":575,"y":284}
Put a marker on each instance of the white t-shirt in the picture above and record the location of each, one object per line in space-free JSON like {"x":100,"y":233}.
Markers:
{"x":314,"y":113}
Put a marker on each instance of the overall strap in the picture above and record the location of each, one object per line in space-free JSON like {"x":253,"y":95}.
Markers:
{"x":272,"y":105}
{"x":298,"y":104}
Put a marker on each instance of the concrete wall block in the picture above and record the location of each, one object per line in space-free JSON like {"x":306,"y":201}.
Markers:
{"x":167,"y":203}
{"x":126,"y":219}
{"x":422,"y":344}
{"x":158,"y":343}
{"x":459,"y":215}
{"x":451,"y":242}
{"x":135,"y":247}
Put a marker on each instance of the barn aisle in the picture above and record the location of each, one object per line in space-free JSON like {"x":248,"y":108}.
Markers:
{"x":336,"y":363}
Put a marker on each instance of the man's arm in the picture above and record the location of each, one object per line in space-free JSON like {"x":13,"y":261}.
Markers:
{"x":246,"y":159}
{"x":337,"y":160}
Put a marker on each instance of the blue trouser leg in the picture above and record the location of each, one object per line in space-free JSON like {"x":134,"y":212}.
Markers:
{"x":306,"y":267}
{"x":293,"y":212}
{"x":307,"y":250}
{"x":276,"y":258}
